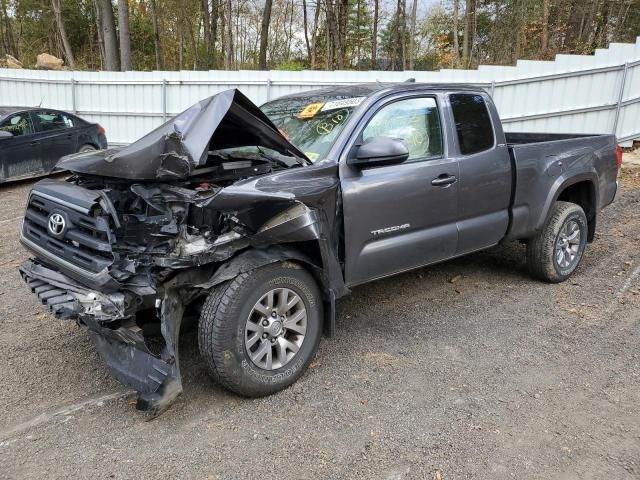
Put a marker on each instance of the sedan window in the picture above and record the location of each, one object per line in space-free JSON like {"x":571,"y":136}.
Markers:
{"x":49,"y":121}
{"x":18,"y":124}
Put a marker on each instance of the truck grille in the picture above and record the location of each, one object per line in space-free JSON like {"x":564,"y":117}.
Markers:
{"x":83,"y":241}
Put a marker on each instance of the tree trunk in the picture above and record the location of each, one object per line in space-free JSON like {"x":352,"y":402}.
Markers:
{"x":545,"y":27}
{"x":108,"y":26}
{"x":328,"y":35}
{"x":100,"y":39}
{"x":214,"y":31}
{"x":68,"y":52}
{"x":228,"y":54}
{"x":412,"y":57}
{"x":400,"y":50}
{"x":341,"y":44}
{"x":9,"y":40}
{"x":305,"y":25}
{"x":374,"y":39}
{"x":206,"y":27}
{"x":156,"y":35}
{"x":467,"y":42}
{"x":125,"y":38}
{"x":264,"y":34}
{"x":314,"y":36}
{"x":456,"y":44}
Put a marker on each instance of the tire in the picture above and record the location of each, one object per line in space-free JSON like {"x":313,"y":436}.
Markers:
{"x":544,"y":258}
{"x":86,"y":148}
{"x":235,"y":311}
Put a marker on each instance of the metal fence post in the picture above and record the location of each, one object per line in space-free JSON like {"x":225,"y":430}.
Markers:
{"x":74,"y":100}
{"x":620,"y":95}
{"x":493,"y":87}
{"x":268,"y":89}
{"x":164,"y":99}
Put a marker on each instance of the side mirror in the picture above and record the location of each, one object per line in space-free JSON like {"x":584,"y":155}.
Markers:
{"x":5,"y":134}
{"x":379,"y":151}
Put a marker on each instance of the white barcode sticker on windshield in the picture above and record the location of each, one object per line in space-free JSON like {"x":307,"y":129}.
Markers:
{"x":345,"y":102}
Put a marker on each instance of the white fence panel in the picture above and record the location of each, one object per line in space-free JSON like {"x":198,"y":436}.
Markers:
{"x":597,"y":93}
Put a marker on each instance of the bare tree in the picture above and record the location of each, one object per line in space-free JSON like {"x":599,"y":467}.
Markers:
{"x":306,"y":29}
{"x":456,"y":44}
{"x":412,"y":40}
{"x":156,"y":34}
{"x":206,"y":28}
{"x":228,"y":34}
{"x":314,"y":35}
{"x":469,"y":27}
{"x":8,"y":40}
{"x":99,"y":34}
{"x":374,"y":40}
{"x":68,"y":52}
{"x":125,"y":38}
{"x":264,"y":34}
{"x":214,"y":31}
{"x":109,"y":37}
{"x":545,"y":26}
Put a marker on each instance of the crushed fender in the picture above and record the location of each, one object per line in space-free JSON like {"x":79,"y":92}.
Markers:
{"x":149,"y":229}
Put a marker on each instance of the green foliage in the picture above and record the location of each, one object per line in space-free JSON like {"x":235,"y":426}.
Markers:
{"x":295,"y":65}
{"x":502,"y":31}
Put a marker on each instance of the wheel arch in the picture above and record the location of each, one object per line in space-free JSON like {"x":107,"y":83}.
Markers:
{"x":308,"y":254}
{"x":580,"y":189}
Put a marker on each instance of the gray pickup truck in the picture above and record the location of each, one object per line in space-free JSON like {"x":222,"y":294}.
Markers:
{"x":250,"y":222}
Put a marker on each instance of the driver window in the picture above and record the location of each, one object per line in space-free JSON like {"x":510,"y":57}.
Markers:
{"x":18,"y":124}
{"x":415,"y":120}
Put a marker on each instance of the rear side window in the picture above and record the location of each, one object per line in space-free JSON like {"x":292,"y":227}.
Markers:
{"x":49,"y":121}
{"x":473,"y":124}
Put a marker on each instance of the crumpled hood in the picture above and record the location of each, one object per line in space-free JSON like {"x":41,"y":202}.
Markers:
{"x":176,"y":148}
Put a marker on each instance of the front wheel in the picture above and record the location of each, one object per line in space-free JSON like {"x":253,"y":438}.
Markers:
{"x":556,"y":251}
{"x":259,"y":331}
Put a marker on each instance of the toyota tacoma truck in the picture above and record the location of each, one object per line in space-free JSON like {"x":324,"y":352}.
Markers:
{"x":254,"y":221}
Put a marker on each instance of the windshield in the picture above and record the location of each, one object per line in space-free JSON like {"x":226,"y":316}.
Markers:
{"x":311,"y":123}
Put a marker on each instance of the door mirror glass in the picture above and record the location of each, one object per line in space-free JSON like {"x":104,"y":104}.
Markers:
{"x":379,"y":151}
{"x":4,"y":134}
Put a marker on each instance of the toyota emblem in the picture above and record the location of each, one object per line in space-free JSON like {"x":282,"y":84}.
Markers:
{"x":57,"y":224}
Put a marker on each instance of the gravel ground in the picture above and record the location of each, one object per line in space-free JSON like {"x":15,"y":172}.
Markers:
{"x":468,"y":369}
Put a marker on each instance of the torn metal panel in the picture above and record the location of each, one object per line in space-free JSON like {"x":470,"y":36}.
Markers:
{"x":150,"y":228}
{"x":177,"y":148}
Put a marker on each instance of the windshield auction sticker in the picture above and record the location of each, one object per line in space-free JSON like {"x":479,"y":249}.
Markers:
{"x":310,"y":110}
{"x":344,"y":103}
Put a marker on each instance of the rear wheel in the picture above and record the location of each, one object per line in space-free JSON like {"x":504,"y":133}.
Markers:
{"x":259,"y":332}
{"x":86,"y":148}
{"x":554,"y":254}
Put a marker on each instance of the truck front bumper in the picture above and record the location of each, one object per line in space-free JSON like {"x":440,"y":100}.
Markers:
{"x":117,"y":337}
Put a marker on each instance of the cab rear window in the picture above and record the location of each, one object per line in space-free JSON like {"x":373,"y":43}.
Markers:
{"x":473,"y":124}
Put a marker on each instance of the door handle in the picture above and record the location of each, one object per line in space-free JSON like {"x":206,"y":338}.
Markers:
{"x":444,"y":180}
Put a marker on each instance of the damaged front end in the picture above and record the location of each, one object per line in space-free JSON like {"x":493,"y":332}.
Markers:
{"x":138,"y":236}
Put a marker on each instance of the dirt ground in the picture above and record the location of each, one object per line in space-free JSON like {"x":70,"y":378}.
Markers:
{"x":468,"y":369}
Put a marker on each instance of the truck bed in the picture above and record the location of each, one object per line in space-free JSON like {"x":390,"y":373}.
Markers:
{"x":544,"y":163}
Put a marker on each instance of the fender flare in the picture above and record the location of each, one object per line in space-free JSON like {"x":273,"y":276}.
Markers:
{"x":559,"y":186}
{"x":258,"y":257}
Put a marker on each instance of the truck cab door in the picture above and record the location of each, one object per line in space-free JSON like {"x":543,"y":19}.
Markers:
{"x":402,"y":216}
{"x":485,"y":172}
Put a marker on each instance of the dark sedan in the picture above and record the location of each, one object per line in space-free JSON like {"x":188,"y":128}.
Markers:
{"x":32,"y":140}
